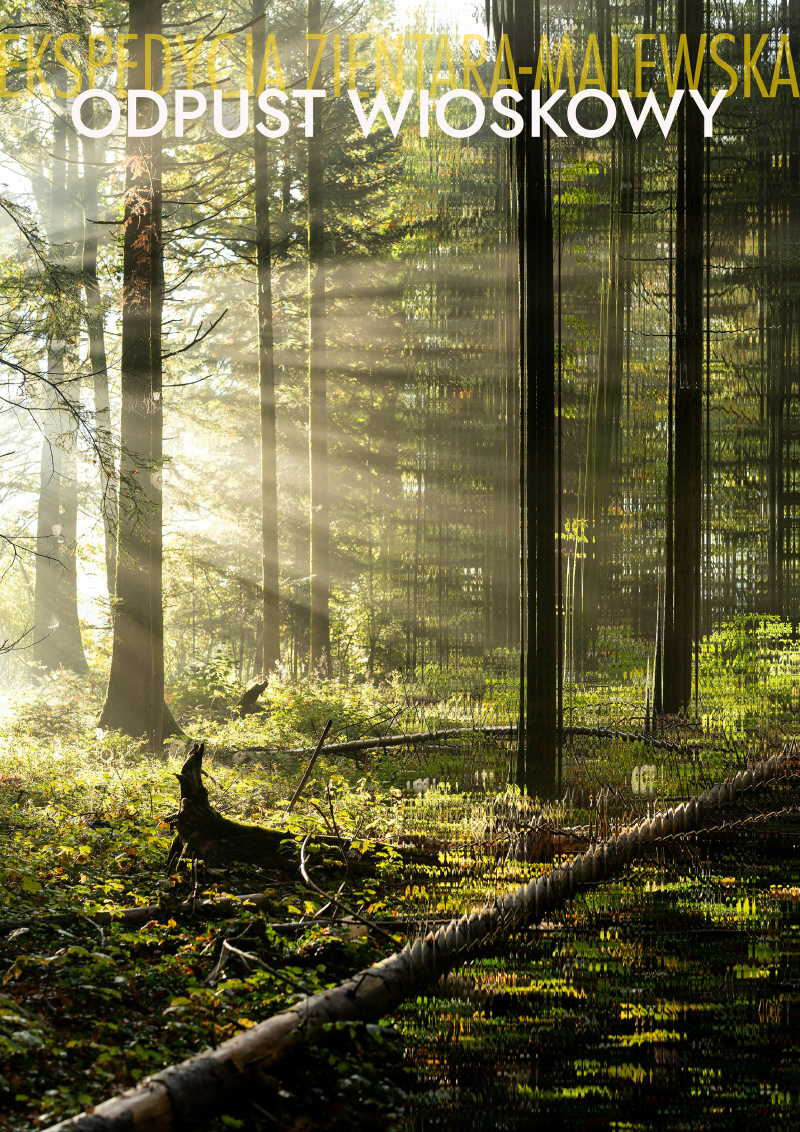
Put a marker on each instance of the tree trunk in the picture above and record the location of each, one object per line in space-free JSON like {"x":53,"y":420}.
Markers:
{"x":270,"y":609}
{"x":536,"y":764}
{"x":135,"y":699}
{"x":320,"y":653}
{"x":682,"y":605}
{"x":70,"y":645}
{"x":92,"y":156}
{"x":57,"y":635}
{"x":48,"y":554}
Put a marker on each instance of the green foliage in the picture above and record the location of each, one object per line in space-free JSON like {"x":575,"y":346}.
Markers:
{"x":206,"y":689}
{"x":87,"y":1008}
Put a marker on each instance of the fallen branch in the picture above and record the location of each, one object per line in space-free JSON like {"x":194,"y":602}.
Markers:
{"x":335,"y":900}
{"x":137,"y":917}
{"x":415,"y":738}
{"x":204,"y":1084}
{"x":310,"y":766}
{"x":212,"y":910}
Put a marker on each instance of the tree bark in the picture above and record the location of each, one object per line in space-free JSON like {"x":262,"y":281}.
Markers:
{"x":682,"y":604}
{"x":135,"y":698}
{"x":270,"y":607}
{"x":92,"y":156}
{"x":536,"y":764}
{"x":57,"y":635}
{"x":320,"y":651}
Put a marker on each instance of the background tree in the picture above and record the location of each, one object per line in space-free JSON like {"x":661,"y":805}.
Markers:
{"x":270,"y":617}
{"x":135,"y":697}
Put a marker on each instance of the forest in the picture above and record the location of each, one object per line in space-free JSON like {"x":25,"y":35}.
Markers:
{"x":400,"y":558}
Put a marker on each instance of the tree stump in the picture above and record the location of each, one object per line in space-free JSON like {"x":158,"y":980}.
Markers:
{"x":203,"y":832}
{"x":248,"y":704}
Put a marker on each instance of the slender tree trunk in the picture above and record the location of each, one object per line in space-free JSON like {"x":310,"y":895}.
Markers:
{"x":135,"y":699}
{"x":270,"y":609}
{"x":512,"y":378}
{"x":57,"y":634}
{"x":71,"y":654}
{"x":48,"y":518}
{"x":48,"y":552}
{"x":68,"y":633}
{"x":682,"y":606}
{"x":163,"y":722}
{"x":320,"y":655}
{"x":788,"y":564}
{"x":92,"y":156}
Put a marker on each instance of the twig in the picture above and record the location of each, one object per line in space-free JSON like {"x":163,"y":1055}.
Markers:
{"x":310,"y":766}
{"x":249,"y":956}
{"x":327,"y":896}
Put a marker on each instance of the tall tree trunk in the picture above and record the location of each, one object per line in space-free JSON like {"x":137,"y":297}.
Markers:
{"x":513,"y":425}
{"x":320,"y":657}
{"x":270,"y":609}
{"x":135,"y":699}
{"x":536,"y":764}
{"x":57,"y":635}
{"x":48,"y":530}
{"x":70,"y":645}
{"x":607,"y":404}
{"x":682,"y":605}
{"x":92,"y":156}
{"x":790,"y":543}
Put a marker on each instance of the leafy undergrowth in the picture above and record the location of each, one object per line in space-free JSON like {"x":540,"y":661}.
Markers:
{"x":88,"y":1008}
{"x":354,"y":1077}
{"x":87,"y":1011}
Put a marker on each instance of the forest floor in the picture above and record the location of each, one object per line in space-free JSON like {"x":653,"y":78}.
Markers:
{"x":646,"y":996}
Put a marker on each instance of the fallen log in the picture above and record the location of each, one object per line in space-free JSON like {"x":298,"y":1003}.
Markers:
{"x":206,"y":1083}
{"x":417,"y":738}
{"x":220,"y":908}
{"x":202,"y":832}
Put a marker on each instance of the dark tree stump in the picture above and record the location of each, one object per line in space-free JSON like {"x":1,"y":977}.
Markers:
{"x":203,"y":832}
{"x":248,"y":704}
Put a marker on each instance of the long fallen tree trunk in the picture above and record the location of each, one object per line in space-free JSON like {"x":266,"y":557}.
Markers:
{"x":203,"y":1085}
{"x":226,"y":907}
{"x":417,"y":738}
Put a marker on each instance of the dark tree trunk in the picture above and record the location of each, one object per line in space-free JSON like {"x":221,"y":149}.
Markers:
{"x":270,"y":609}
{"x":320,"y":653}
{"x":536,"y":764}
{"x":682,"y":604}
{"x":135,"y":699}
